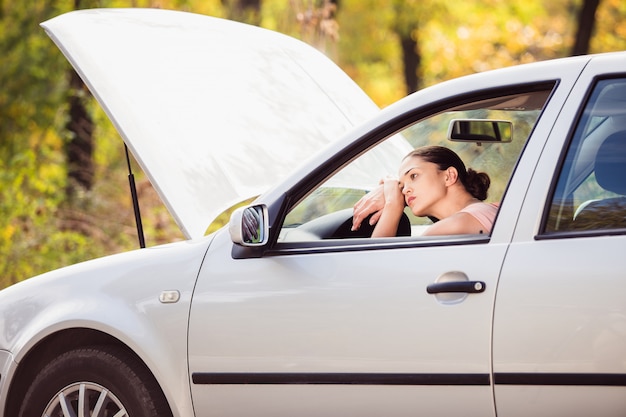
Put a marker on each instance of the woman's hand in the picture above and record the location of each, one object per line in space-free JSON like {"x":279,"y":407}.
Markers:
{"x":372,"y":202}
{"x":393,"y":192}
{"x":388,"y":192}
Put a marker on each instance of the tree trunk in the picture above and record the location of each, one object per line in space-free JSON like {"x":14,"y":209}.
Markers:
{"x":406,"y":24}
{"x":79,"y":149}
{"x":586,"y":22}
{"x":80,"y":164}
{"x":411,"y":59}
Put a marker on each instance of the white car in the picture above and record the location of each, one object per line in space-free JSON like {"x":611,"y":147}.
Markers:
{"x":307,"y":317}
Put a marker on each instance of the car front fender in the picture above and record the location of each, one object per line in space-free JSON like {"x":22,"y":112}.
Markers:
{"x":140,"y":298}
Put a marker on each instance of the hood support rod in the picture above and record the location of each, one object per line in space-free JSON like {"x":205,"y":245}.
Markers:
{"x":133,"y":193}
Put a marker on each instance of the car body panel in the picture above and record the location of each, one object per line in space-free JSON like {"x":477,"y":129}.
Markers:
{"x":341,"y":313}
{"x":117,"y":295}
{"x":563,"y":314}
{"x":361,"y":313}
{"x":157,"y":74}
{"x":371,"y":400}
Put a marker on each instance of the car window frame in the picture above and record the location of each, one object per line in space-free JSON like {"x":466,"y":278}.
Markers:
{"x":543,"y":233}
{"x":377,"y":136}
{"x":278,"y":209}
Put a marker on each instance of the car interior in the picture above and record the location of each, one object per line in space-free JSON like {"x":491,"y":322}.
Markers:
{"x":488,"y":134}
{"x":591,"y":192}
{"x":610,"y":173}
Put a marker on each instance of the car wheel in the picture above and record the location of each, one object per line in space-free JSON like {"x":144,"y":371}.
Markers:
{"x":95,"y":381}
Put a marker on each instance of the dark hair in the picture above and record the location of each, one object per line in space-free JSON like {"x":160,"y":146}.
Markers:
{"x":476,"y":183}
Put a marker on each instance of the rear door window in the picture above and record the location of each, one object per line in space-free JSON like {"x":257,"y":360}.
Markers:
{"x":590,"y":194}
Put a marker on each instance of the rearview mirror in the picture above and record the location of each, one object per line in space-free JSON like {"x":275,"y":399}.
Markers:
{"x":480,"y":130}
{"x":248,"y":225}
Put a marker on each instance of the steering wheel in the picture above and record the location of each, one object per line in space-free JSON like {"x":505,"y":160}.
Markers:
{"x":338,"y":225}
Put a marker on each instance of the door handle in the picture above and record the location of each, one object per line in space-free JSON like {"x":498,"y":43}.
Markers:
{"x":472,"y":287}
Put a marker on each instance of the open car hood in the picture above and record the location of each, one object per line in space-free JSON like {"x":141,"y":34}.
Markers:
{"x":215,"y":112}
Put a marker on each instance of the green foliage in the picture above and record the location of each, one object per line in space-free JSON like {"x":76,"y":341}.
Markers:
{"x":31,"y":169}
{"x":40,"y":230}
{"x":369,"y":51}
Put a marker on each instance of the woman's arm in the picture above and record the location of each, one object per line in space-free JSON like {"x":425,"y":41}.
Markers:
{"x":458,"y":224}
{"x":392,"y":210}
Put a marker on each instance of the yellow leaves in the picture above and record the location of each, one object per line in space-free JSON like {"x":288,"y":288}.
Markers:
{"x":610,"y":30}
{"x":477,"y":36}
{"x":8,"y":232}
{"x":382,"y":84}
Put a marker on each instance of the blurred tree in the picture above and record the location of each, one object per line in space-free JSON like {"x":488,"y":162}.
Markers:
{"x":247,"y":11}
{"x":406,"y":25}
{"x":317,"y":24}
{"x":610,"y":27}
{"x":39,"y":229}
{"x":31,"y":172}
{"x":79,"y":150}
{"x":369,"y":51}
{"x":586,"y":22}
{"x":389,"y":47}
{"x":409,"y":17}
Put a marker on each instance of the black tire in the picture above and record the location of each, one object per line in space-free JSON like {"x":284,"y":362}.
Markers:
{"x":89,"y":374}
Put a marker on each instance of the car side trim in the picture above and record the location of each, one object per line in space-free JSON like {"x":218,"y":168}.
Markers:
{"x":571,"y":379}
{"x":501,"y":378}
{"x":226,"y":378}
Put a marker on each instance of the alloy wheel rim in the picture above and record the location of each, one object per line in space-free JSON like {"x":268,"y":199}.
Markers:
{"x":85,"y":399}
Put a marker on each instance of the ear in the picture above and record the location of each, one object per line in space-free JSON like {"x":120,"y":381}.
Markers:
{"x":452,"y":176}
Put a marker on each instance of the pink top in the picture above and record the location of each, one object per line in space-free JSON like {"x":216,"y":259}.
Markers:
{"x":485,"y":213}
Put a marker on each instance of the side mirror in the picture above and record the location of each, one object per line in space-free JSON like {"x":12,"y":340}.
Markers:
{"x":480,"y":130}
{"x":249,"y":226}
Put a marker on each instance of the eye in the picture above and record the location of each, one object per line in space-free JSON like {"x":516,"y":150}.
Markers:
{"x":413,"y":176}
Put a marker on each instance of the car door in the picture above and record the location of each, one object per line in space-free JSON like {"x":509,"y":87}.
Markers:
{"x":337,"y":327}
{"x":560,"y":315}
{"x":344,"y":333}
{"x":320,"y":325}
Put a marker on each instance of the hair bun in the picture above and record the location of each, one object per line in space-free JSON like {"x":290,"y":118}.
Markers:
{"x":477,"y":184}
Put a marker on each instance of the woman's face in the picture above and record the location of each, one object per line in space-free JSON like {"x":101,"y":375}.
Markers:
{"x":423,"y":185}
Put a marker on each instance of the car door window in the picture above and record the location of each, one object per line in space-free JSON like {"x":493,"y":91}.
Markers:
{"x":590,"y":195}
{"x":326,"y":211}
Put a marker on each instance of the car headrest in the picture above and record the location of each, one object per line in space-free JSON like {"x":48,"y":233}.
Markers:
{"x":610,"y":163}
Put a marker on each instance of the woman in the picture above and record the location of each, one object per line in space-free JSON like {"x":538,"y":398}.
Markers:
{"x":433,"y":182}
